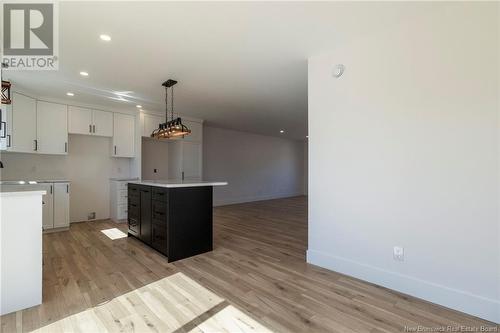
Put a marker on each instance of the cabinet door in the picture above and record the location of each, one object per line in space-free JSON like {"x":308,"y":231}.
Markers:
{"x":8,"y":127}
{"x":123,"y":135}
{"x":47,"y":206}
{"x":23,"y":124}
{"x":61,"y":205}
{"x":3,"y":126}
{"x":191,"y":160}
{"x":102,"y":123}
{"x":145,"y":214}
{"x":79,"y":120}
{"x":196,"y":131}
{"x":52,"y":130}
{"x":150,"y":123}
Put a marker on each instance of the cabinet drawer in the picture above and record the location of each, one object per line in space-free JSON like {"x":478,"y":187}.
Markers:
{"x":133,"y":197}
{"x":133,"y":190}
{"x":133,"y":210}
{"x":159,"y":210}
{"x":159,"y":238}
{"x":122,"y":212}
{"x":122,"y":197}
{"x":160,"y":194}
{"x":133,"y":226}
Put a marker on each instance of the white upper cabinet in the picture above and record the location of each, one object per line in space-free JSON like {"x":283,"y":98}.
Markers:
{"x":52,"y":128}
{"x":22,"y":124}
{"x":149,"y":123}
{"x":102,"y":123}
{"x":79,"y":120}
{"x":90,"y":122}
{"x":123,"y":135}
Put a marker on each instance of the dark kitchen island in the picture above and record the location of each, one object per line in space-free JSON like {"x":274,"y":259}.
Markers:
{"x":173,"y":217}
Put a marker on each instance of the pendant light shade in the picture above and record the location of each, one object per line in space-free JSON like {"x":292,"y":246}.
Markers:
{"x":172,"y":128}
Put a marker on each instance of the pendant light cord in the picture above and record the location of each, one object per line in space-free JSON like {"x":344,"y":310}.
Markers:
{"x":172,"y":104}
{"x":166,"y":105}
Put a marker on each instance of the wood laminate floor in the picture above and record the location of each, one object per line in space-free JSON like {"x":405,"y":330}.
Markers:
{"x":256,"y":279}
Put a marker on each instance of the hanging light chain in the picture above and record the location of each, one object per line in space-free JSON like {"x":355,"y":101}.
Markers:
{"x":166,"y":104}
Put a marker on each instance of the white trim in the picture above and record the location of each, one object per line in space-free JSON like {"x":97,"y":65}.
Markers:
{"x":460,"y":300}
{"x":238,"y":200}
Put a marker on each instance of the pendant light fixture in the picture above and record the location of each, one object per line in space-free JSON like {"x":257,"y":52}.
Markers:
{"x":172,"y":128}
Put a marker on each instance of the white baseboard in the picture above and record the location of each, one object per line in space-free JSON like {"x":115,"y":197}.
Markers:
{"x":460,"y":300}
{"x":237,"y":200}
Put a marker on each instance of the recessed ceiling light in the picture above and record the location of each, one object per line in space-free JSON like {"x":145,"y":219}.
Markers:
{"x":84,"y":74}
{"x":138,"y":106}
{"x":282,"y":131}
{"x":70,"y":94}
{"x":105,"y":38}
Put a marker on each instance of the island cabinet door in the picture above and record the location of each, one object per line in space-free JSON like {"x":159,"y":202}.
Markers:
{"x":145,"y":213}
{"x":134,"y":225}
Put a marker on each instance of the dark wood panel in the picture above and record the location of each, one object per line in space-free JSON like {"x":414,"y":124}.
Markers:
{"x":190,"y":221}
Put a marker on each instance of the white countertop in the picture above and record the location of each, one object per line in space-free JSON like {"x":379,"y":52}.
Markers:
{"x":177,"y":183}
{"x":118,"y":179}
{"x":32,"y":182}
{"x":21,"y":193}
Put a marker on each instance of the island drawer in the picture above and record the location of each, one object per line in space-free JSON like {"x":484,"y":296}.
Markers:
{"x":160,"y":194}
{"x":159,"y":210}
{"x":133,"y":190}
{"x":133,"y":226}
{"x":133,"y":209}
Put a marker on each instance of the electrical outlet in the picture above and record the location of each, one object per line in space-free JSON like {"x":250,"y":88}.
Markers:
{"x":91,"y":216}
{"x":399,"y":253}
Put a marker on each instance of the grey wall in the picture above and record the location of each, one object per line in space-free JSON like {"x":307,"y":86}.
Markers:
{"x":257,"y":167}
{"x":404,"y":151}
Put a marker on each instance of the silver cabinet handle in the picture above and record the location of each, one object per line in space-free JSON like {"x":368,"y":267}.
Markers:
{"x":67,"y":188}
{"x":93,"y":128}
{"x":90,"y":128}
{"x":65,"y":147}
{"x":115,"y":150}
{"x":8,"y":140}
{"x":50,"y":189}
{"x":36,"y":144}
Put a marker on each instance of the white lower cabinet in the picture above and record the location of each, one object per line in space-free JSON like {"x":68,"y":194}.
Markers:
{"x":55,"y":205}
{"x":61,"y":205}
{"x":119,"y":197}
{"x":55,"y":202}
{"x":47,"y":206}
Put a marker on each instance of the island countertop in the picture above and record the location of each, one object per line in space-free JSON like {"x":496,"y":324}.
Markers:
{"x":177,"y":183}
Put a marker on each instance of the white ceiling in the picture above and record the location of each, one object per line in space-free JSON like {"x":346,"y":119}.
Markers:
{"x":239,"y":65}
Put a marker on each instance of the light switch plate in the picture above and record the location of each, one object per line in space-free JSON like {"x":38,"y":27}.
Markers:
{"x":399,"y":253}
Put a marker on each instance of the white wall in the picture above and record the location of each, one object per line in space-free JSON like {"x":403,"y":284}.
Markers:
{"x":403,"y":150}
{"x":154,"y":156}
{"x":88,"y":166}
{"x":257,"y":167}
